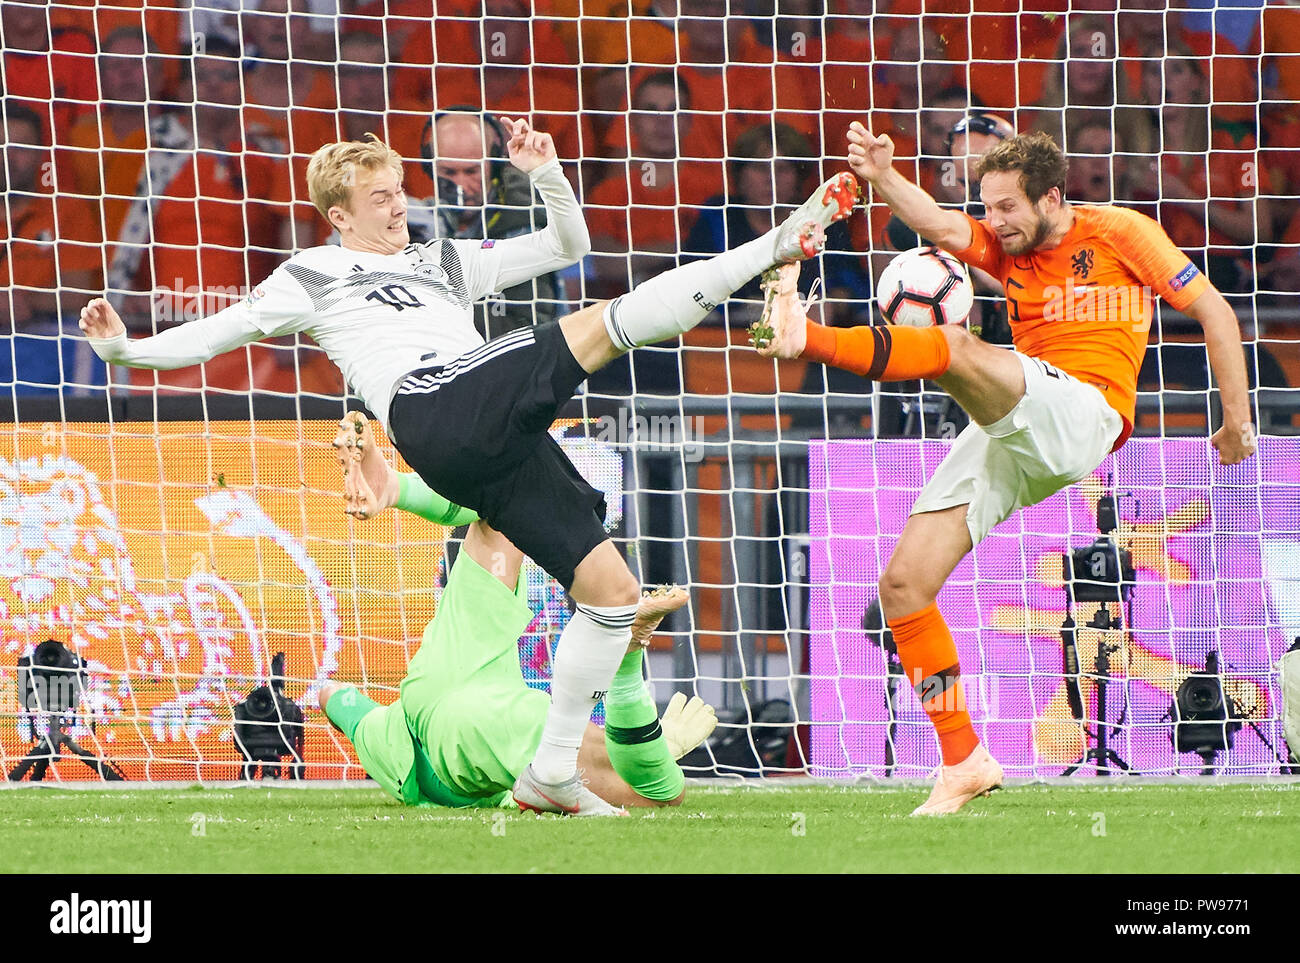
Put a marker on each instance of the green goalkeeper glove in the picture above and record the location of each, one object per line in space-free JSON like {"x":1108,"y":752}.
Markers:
{"x":686,"y":725}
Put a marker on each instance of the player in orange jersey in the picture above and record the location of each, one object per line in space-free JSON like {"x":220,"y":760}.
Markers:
{"x":1079,"y":282}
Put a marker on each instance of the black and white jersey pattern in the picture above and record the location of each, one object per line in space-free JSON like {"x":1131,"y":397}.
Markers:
{"x":446,"y":279}
{"x":379,"y":317}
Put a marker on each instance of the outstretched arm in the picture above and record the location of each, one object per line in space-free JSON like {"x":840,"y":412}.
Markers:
{"x":564,"y":240}
{"x":872,"y":159}
{"x":1235,"y":439}
{"x":191,"y":343}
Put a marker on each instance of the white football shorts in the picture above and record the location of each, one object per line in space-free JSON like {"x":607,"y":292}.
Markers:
{"x":1060,"y":431}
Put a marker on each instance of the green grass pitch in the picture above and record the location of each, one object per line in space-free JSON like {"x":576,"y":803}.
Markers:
{"x":1124,"y":828}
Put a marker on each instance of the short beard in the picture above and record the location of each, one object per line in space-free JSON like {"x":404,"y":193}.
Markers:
{"x":1042,"y":230}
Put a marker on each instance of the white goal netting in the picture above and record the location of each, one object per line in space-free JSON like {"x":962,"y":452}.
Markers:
{"x":175,"y":531}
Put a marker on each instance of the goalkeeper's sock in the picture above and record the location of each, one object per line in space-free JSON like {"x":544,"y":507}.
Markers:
{"x":414,"y":496}
{"x":888,"y":352}
{"x":929,"y":657}
{"x":676,"y":301}
{"x":637,"y":748}
{"x":590,"y":650}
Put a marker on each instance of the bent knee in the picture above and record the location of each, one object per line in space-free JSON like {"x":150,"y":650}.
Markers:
{"x":603,"y":578}
{"x":626,"y":591}
{"x":903,"y":591}
{"x":958,"y":337}
{"x":962,"y":345}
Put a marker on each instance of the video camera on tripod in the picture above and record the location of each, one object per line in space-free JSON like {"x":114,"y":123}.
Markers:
{"x":51,"y":679}
{"x":1101,"y":574}
{"x":269,"y":728}
{"x":51,"y":683}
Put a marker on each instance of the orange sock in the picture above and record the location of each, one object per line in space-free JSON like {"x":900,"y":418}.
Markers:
{"x":888,"y":352}
{"x":929,"y":658}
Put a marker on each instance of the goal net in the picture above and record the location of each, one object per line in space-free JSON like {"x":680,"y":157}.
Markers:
{"x":173,"y":532}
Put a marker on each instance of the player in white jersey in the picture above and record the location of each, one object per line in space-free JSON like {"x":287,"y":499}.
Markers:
{"x":472,"y":418}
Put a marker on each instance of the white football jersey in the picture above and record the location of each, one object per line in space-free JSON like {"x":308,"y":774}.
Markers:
{"x":380,"y":316}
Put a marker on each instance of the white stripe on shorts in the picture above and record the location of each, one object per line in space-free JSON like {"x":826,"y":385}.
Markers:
{"x":429,"y":382}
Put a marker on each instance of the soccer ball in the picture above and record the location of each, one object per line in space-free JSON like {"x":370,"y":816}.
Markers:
{"x":925,"y":286}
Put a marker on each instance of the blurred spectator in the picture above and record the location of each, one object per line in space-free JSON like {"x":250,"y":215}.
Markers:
{"x":1199,"y":162}
{"x":480,"y":194}
{"x":966,"y":142}
{"x":505,"y":63}
{"x":645,"y":207}
{"x":1087,"y":83}
{"x":916,"y":67}
{"x":160,"y":20}
{"x":1090,"y":179}
{"x":663,"y":32}
{"x":968,"y":138}
{"x":963,"y":143}
{"x":735,"y":81}
{"x":1279,"y":263}
{"x":365,"y":107}
{"x":289,"y":102}
{"x":313,"y":34}
{"x":699,"y":131}
{"x":1279,"y":119}
{"x":219,"y":218}
{"x":771,"y":173}
{"x":938,"y":118}
{"x":932,"y":126}
{"x":53,"y":74}
{"x":1281,"y":43}
{"x":111,"y":144}
{"x":397,"y":21}
{"x":50,"y":264}
{"x":848,"y":52}
{"x":279,"y":69}
{"x":786,"y":53}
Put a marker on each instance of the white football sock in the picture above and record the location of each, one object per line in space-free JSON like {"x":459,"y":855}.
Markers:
{"x":677,"y":300}
{"x":591,"y":647}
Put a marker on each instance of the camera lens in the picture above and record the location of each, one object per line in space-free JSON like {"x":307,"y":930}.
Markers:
{"x":52,"y":655}
{"x":1203,"y":695}
{"x":261,"y":704}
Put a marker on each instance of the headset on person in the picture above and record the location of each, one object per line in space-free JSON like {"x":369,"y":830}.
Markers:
{"x":977,"y":122}
{"x":495,"y":141}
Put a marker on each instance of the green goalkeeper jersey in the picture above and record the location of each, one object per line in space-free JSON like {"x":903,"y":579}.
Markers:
{"x":466,"y":723}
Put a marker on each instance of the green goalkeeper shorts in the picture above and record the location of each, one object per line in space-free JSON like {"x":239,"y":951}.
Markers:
{"x":464,"y":694}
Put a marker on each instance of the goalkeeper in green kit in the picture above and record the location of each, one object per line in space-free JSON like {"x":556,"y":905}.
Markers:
{"x":466,"y":724}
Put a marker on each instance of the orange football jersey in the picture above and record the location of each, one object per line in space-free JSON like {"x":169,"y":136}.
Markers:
{"x":1085,"y":305}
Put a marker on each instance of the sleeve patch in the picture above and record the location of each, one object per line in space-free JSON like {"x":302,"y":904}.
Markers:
{"x":1184,"y":277}
{"x":255,"y":295}
{"x":490,"y":242}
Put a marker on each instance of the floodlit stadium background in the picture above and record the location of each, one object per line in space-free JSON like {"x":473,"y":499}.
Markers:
{"x":180,"y":555}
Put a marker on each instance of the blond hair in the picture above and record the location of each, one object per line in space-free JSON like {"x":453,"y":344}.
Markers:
{"x":332,"y":170}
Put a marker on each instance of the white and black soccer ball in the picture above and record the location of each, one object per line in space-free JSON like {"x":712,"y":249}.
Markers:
{"x":925,"y":286}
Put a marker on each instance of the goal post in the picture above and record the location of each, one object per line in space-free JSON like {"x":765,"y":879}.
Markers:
{"x":175,"y":531}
